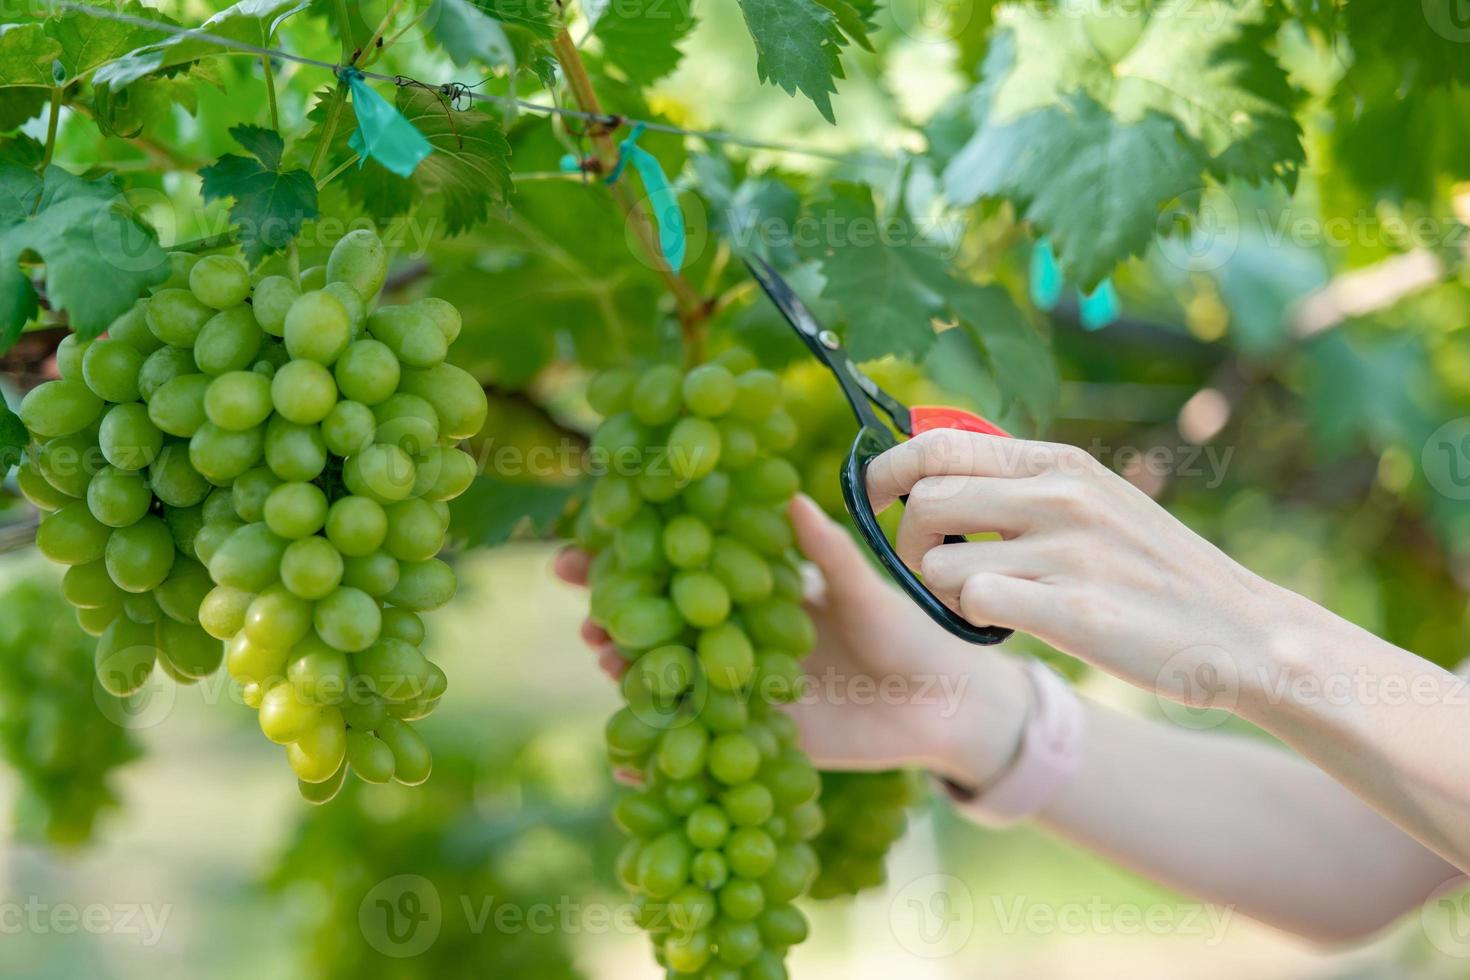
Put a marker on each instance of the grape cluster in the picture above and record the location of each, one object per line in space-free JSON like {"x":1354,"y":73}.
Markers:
{"x":865,"y":813}
{"x":696,"y":579}
{"x":51,"y":732}
{"x":243,"y":471}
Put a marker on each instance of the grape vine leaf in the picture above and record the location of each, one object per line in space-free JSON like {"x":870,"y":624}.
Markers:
{"x":468,"y":171}
{"x":885,"y":278}
{"x":88,"y":42}
{"x":13,"y":438}
{"x":641,"y":37}
{"x":1021,"y":362}
{"x":798,"y":45}
{"x":249,"y":21}
{"x":270,"y":205}
{"x":492,"y":509}
{"x":99,"y":256}
{"x":1423,"y":41}
{"x":1121,"y":111}
{"x":27,"y":54}
{"x":468,"y":34}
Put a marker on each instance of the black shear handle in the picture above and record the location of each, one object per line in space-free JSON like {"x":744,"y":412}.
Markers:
{"x":855,"y":494}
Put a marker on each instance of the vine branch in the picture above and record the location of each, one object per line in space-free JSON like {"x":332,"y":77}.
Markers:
{"x":693,"y":309}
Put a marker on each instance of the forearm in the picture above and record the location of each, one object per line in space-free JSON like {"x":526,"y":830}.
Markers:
{"x":1240,"y":822}
{"x":1390,"y":726}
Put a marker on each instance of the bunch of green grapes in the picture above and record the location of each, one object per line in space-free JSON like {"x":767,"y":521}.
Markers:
{"x":696,"y":579}
{"x":245,"y":471}
{"x":865,"y":814}
{"x":51,"y":732}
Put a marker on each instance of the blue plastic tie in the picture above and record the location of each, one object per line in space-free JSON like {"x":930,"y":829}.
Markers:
{"x":661,"y":197}
{"x":382,"y":132}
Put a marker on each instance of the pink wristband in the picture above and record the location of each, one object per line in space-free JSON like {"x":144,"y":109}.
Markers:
{"x":1049,"y":754}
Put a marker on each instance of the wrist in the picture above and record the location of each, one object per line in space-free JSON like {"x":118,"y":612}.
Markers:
{"x":976,"y":735}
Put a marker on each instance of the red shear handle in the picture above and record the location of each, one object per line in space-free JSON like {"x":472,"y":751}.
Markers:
{"x":923,"y":418}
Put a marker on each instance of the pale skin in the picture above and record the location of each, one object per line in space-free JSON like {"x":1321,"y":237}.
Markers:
{"x":1357,"y":822}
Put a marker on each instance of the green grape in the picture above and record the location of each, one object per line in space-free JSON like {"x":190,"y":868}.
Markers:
{"x":645,"y":622}
{"x":192,"y":652}
{"x":739,"y":942}
{"x":139,"y":557}
{"x":407,"y":421}
{"x":768,"y":481}
{"x":742,"y":899}
{"x":777,"y":432}
{"x":285,"y":718}
{"x":317,"y":329}
{"x":657,"y":395}
{"x":609,"y":391}
{"x":370,"y":757}
{"x":319,"y":673}
{"x":423,"y":585}
{"x":349,"y":428}
{"x":708,"y":497}
{"x":161,"y":367}
{"x":220,"y":455}
{"x":72,"y":536}
{"x":367,"y":372}
{"x":324,"y":792}
{"x":295,"y":510}
{"x":412,"y":763}
{"x":294,"y":452}
{"x":360,"y":260}
{"x":211,"y":536}
{"x":59,"y":408}
{"x":707,"y":826}
{"x":250,"y":492}
{"x":311,"y":568}
{"x":69,"y":355}
{"x":33,"y":486}
{"x":453,"y":471}
{"x":219,"y":281}
{"x":694,"y":449}
{"x":666,"y":672}
{"x":738,"y":445}
{"x":733,"y":759}
{"x":89,"y":586}
{"x":238,"y":400}
{"x":126,"y":654}
{"x":744,"y":573}
{"x":782,"y":624}
{"x":249,"y":559}
{"x":174,"y":480}
{"x":117,"y":497}
{"x":395,"y":670}
{"x":230,"y":341}
{"x":184,"y":591}
{"x":95,"y":621}
{"x":176,"y":316}
{"x":303,"y":392}
{"x":458,"y":399}
{"x":352,"y":303}
{"x":376,"y":574}
{"x":709,"y":390}
{"x":277,"y":619}
{"x":356,"y":526}
{"x":414,"y":532}
{"x":68,"y":463}
{"x":252,"y":663}
{"x":272,"y":298}
{"x":400,"y":624}
{"x":383,"y":473}
{"x":727,"y":657}
{"x":177,"y":407}
{"x":700,"y":598}
{"x":756,"y":395}
{"x":443,"y":314}
{"x":413,"y":338}
{"x":348,"y":619}
{"x":614,"y":501}
{"x":128,"y":438}
{"x":110,"y":368}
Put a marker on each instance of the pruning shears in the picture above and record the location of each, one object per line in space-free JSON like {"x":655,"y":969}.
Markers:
{"x":874,"y":438}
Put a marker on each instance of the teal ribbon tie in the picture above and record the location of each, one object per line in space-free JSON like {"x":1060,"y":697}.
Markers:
{"x":1100,"y":309}
{"x":672,"y":238}
{"x":1046,"y":276}
{"x":382,"y":132}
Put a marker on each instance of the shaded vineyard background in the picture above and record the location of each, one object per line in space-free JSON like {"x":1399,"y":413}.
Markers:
{"x":1280,"y":378}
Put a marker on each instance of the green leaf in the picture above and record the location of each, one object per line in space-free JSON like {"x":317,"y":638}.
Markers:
{"x":539,"y":17}
{"x":491,"y":510}
{"x":19,"y":106}
{"x":1021,"y":362}
{"x":887,"y":281}
{"x":88,"y":42}
{"x":854,"y":18}
{"x":468,"y":34}
{"x":798,"y":46}
{"x":641,"y":37}
{"x":1204,"y":64}
{"x":468,"y":171}
{"x":13,"y":439}
{"x":1091,"y":182}
{"x":27,"y":53}
{"x":270,"y":205}
{"x":250,"y":21}
{"x":99,"y":256}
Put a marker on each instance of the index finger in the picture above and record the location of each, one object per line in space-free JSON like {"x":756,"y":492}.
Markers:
{"x":950,"y":452}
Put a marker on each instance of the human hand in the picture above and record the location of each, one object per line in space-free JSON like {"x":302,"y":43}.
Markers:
{"x":1086,"y":562}
{"x":885,"y":687}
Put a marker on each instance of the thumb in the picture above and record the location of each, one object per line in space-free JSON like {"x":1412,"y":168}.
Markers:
{"x":827,"y":545}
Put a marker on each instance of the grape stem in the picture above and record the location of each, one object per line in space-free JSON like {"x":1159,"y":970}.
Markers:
{"x":270,"y":92}
{"x":51,"y":122}
{"x":694,"y":310}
